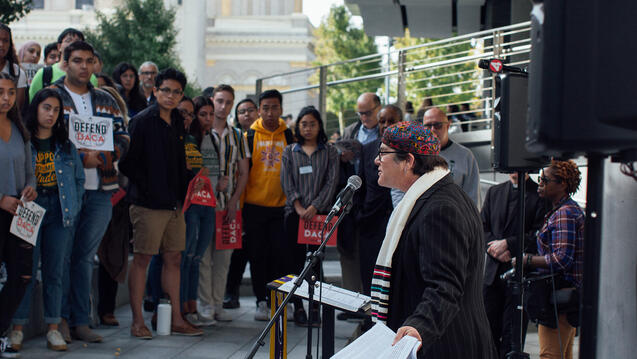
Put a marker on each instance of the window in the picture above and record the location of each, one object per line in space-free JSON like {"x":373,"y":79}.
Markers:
{"x":37,"y":4}
{"x":80,"y":4}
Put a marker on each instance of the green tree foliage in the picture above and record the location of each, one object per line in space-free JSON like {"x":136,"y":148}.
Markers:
{"x":338,"y":40}
{"x":12,"y":10}
{"x":138,"y":31}
{"x":461,"y":78}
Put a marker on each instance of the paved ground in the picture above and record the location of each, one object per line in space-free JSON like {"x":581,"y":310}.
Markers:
{"x":226,"y":340}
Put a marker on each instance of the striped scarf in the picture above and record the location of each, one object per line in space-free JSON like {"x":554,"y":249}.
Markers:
{"x":381,"y":280}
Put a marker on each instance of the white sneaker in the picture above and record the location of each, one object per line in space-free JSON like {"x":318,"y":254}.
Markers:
{"x":263,"y":312}
{"x":200,"y":320}
{"x":16,"y":337}
{"x":55,"y":341}
{"x":222,"y":315}
{"x":204,"y":309}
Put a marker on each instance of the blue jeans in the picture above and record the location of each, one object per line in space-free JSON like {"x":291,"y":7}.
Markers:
{"x":53,"y":246}
{"x":92,"y":223}
{"x":200,"y":230}
{"x":153,"y":281}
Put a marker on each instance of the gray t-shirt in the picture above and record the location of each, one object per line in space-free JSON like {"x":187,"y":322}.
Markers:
{"x":15,"y":164}
{"x":464,"y":169}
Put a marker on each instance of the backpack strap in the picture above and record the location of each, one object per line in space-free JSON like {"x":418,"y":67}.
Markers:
{"x":47,"y":75}
{"x":289,"y":136}
{"x":250,"y":137}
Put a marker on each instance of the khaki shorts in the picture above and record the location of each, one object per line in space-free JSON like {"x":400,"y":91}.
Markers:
{"x":157,"y":230}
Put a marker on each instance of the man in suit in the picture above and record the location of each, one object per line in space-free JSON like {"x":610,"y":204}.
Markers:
{"x":365,"y":130}
{"x":374,"y":201}
{"x":427,"y":281}
{"x":500,"y":219}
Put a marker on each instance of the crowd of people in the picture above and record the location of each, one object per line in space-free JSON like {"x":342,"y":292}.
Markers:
{"x":415,"y":220}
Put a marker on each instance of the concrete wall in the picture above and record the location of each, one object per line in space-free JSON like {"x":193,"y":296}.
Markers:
{"x":617,"y":325}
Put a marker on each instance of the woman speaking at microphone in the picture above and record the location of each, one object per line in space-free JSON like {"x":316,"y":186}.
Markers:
{"x":427,"y":281}
{"x":309,"y":175}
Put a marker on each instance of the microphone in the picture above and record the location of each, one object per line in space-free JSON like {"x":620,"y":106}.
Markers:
{"x":507,"y":275}
{"x":345,"y":196}
{"x":496,"y":66}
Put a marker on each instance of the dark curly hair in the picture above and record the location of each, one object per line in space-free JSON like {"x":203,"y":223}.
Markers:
{"x":568,"y":173}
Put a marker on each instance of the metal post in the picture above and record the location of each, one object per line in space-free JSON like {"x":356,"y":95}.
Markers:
{"x":259,"y":88}
{"x":323,"y":94}
{"x":401,"y":91}
{"x":390,"y":42}
{"x":589,"y":305}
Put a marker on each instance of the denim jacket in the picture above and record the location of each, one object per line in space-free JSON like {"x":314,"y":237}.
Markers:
{"x":70,"y":178}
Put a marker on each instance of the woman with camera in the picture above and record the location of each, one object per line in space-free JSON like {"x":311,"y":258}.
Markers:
{"x":560,"y":245}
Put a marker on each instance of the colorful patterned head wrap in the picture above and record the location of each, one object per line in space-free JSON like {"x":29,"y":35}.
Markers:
{"x":411,"y":137}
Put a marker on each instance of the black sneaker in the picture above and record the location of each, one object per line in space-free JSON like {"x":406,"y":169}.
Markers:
{"x":6,"y":351}
{"x":231,"y":302}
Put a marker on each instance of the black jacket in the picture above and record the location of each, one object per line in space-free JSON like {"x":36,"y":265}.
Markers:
{"x":374,"y":201}
{"x":501,"y":220}
{"x":436,"y":280}
{"x":156,"y":161}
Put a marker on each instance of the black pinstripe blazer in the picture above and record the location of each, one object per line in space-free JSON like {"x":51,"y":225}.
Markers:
{"x":437,"y":272}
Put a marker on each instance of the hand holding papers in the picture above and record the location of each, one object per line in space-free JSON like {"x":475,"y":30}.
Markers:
{"x":377,"y":343}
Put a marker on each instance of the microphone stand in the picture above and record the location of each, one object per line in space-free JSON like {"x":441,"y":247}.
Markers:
{"x":518,"y":279}
{"x":313,"y":264}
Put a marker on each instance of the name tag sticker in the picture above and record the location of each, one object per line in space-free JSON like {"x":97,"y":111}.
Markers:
{"x":305,"y":170}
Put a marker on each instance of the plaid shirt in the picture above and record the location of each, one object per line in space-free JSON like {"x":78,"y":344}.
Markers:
{"x":561,"y":241}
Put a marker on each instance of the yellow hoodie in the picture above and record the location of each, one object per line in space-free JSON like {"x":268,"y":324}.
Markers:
{"x":264,"y":183}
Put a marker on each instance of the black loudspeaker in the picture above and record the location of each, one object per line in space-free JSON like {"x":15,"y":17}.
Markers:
{"x":509,"y":126}
{"x":582,"y":77}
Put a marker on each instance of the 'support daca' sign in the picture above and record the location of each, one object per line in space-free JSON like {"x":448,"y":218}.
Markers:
{"x":310,"y":231}
{"x":91,"y":132}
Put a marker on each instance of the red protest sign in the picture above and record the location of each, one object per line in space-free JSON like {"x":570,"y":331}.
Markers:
{"x":310,"y":231}
{"x":117,"y":196}
{"x":205,"y":196}
{"x":227,"y":234}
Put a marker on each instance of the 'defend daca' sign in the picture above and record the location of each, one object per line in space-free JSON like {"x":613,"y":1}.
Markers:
{"x":91,"y":132}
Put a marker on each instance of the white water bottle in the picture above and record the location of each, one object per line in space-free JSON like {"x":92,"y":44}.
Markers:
{"x":163,"y":317}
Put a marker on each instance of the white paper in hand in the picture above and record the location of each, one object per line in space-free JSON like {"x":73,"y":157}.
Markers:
{"x":26,"y":223}
{"x":376,"y":343}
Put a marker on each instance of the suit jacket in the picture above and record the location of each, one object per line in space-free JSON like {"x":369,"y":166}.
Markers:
{"x":436,"y":281}
{"x":374,"y":201}
{"x":501,"y":220}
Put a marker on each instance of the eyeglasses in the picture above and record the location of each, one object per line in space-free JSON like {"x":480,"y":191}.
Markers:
{"x":544,"y":179}
{"x":249,"y":110}
{"x":436,"y":125}
{"x":381,"y":153}
{"x":367,"y":113}
{"x":148,"y":73}
{"x":187,"y":114}
{"x":167,"y":91}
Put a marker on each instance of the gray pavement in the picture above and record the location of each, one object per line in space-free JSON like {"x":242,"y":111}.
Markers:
{"x":224,"y":340}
